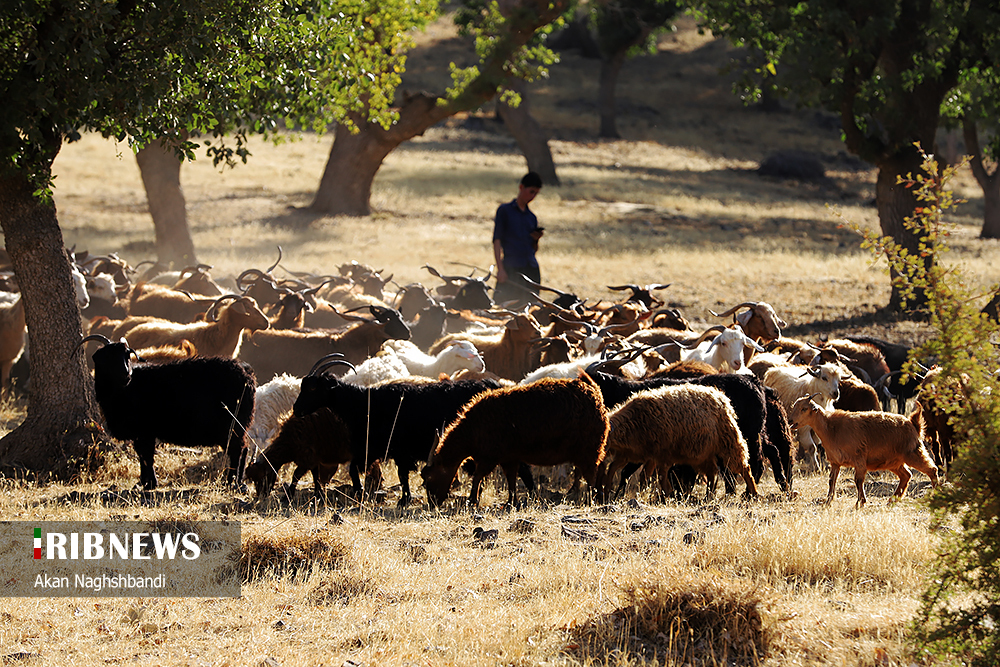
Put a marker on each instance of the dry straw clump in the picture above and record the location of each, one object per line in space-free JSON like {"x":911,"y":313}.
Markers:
{"x":695,"y":618}
{"x":289,"y":554}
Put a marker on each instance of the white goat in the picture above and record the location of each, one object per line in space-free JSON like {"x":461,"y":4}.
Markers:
{"x":724,"y":352}
{"x":792,"y":383}
{"x":459,"y":355}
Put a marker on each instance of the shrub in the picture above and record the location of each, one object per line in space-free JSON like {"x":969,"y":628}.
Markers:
{"x":960,"y":608}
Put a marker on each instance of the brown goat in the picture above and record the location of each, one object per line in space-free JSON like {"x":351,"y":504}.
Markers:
{"x":867,"y":441}
{"x":221,"y":336}
{"x":545,"y":423}
{"x":318,"y":443}
{"x":509,"y":354}
{"x":677,"y":425}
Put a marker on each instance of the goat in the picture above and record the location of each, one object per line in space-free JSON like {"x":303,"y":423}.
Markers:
{"x":273,"y":403}
{"x":725,"y":351}
{"x":793,"y":382}
{"x":166,"y":303}
{"x":677,"y":425}
{"x":192,"y":402}
{"x":397,"y":420}
{"x":934,"y":396}
{"x":508,"y":354}
{"x":459,"y":355}
{"x":318,"y":443}
{"x":220,"y":336}
{"x":293,"y":351}
{"x":545,"y":423}
{"x":759,"y":322}
{"x":896,"y":356}
{"x":867,"y":441}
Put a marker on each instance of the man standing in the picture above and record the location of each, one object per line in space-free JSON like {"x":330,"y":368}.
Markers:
{"x":515,"y":240}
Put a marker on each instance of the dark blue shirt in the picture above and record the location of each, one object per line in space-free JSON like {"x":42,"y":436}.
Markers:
{"x":513,"y":228}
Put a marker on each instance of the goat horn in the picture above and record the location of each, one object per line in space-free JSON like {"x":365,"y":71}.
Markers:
{"x":745,"y":304}
{"x":104,"y":339}
{"x":334,"y":362}
{"x":322,"y":360}
{"x":278,"y":261}
{"x":211,"y":315}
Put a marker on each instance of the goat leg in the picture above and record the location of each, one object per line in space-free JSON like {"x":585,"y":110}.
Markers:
{"x":144,"y":450}
{"x":834,"y":473}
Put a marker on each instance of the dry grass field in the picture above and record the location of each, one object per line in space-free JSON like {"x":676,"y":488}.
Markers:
{"x":775,"y":582}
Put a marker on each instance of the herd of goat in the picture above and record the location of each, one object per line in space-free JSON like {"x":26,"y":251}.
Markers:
{"x":288,"y":370}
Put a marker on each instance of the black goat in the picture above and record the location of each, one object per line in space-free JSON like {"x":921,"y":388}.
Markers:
{"x":398,"y":420}
{"x":191,"y":402}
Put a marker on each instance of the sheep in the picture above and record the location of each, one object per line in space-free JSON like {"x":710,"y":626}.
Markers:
{"x":318,"y":443}
{"x":383,"y":367}
{"x":221,"y":335}
{"x":759,"y":427}
{"x":12,"y":337}
{"x":293,"y":351}
{"x":273,"y":402}
{"x":545,"y":423}
{"x":397,"y":420}
{"x":867,"y":441}
{"x":509,"y":354}
{"x":192,"y":402}
{"x":793,"y":382}
{"x":677,"y":425}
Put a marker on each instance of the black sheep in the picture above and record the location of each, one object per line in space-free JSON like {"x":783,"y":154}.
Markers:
{"x":402,"y":424}
{"x":196,"y":402}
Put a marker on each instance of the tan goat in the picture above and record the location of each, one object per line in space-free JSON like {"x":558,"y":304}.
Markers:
{"x":867,"y":441}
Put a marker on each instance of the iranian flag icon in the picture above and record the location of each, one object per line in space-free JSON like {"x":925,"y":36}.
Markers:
{"x":38,"y":543}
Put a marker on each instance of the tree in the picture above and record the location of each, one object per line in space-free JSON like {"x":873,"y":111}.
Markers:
{"x":624,"y":29}
{"x":885,"y":66}
{"x":960,"y":607}
{"x":975,"y":105}
{"x":355,"y":50}
{"x":504,"y":44}
{"x":140,"y":70}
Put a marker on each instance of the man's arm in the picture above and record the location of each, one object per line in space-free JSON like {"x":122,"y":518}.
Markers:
{"x":498,"y":256}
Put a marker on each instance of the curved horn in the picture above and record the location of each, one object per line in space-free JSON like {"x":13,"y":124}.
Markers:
{"x":104,"y":339}
{"x":745,"y":304}
{"x":278,"y":261}
{"x":324,"y":359}
{"x":256,"y":273}
{"x":332,"y":363}
{"x":211,"y":315}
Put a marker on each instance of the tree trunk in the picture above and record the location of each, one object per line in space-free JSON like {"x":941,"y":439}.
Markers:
{"x":895,"y":203}
{"x":60,"y":435}
{"x":346,"y":186}
{"x":610,"y":68}
{"x":989,"y":182}
{"x":529,"y":135}
{"x":161,"y":176}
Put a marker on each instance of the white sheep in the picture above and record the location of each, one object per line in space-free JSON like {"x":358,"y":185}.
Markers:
{"x":383,"y":367}
{"x":565,"y":370}
{"x":792,"y":383}
{"x":273,"y":402}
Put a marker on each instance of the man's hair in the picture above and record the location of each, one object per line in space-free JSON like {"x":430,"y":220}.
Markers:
{"x":531,"y":180}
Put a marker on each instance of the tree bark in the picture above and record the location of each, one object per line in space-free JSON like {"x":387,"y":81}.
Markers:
{"x":529,"y":135}
{"x":989,"y":182}
{"x":161,"y":176}
{"x":346,"y":185}
{"x":60,"y":436}
{"x":610,"y":68}
{"x":896,"y":203}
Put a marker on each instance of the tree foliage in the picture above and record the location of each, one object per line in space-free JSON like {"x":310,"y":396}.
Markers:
{"x":961,"y":605}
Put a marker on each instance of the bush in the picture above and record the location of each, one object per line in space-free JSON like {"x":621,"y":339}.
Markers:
{"x":960,"y":608}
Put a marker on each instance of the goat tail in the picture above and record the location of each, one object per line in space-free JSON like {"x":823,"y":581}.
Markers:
{"x":917,"y":419}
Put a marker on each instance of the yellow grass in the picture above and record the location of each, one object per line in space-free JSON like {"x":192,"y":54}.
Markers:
{"x":676,"y":201}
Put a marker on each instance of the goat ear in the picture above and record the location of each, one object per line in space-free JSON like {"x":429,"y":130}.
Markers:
{"x":744,"y":317}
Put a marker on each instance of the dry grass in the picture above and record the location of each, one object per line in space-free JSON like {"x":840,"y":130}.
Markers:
{"x":782,"y":582}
